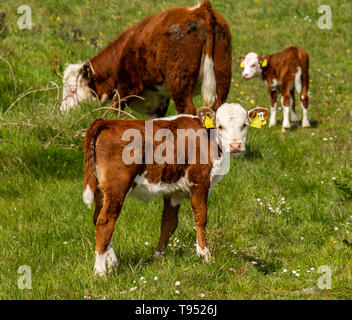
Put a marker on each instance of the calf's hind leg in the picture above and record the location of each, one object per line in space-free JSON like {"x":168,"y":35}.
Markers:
{"x":105,"y":225}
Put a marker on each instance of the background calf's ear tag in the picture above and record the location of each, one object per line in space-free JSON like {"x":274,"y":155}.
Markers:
{"x":242,"y":64}
{"x":264,"y":63}
{"x":209,"y":123}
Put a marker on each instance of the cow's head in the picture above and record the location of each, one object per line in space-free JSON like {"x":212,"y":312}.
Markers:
{"x":252,"y":65}
{"x":231,"y":123}
{"x":76,"y":85}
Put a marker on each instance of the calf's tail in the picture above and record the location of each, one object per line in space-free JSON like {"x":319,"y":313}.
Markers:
{"x":90,"y":176}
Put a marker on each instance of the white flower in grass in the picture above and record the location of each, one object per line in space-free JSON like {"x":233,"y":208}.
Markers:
{"x":202,"y":295}
{"x":141,"y":278}
{"x":297,"y":274}
{"x":284,"y":271}
{"x":177,"y":291}
{"x":146,"y":243}
{"x":336,"y":228}
{"x":177,"y":283}
{"x":312,"y":268}
{"x":65,"y":242}
{"x":133,"y":288}
{"x":294,"y":271}
{"x":155,"y":278}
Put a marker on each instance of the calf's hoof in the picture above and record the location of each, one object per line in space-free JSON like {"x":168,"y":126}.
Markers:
{"x":305,"y":124}
{"x":285,"y":129}
{"x":294,"y":123}
{"x":205,"y":254}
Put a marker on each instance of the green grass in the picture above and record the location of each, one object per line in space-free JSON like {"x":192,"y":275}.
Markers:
{"x":45,"y":225}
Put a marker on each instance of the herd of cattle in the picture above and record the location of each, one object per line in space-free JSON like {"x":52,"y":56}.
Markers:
{"x":178,"y":53}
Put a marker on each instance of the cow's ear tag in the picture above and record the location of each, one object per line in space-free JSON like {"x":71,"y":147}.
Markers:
{"x":264,"y":63}
{"x":242,"y":64}
{"x":258,"y":121}
{"x":209,"y":123}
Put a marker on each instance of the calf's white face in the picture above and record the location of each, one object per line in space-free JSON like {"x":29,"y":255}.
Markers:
{"x":75,"y":87}
{"x":251,"y":66}
{"x":232,"y":122}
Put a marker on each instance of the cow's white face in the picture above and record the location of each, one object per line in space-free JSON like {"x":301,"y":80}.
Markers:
{"x":231,"y":123}
{"x":251,"y":66}
{"x":75,"y":87}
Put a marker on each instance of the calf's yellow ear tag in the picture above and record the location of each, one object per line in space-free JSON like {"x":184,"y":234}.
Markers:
{"x":264,"y":63}
{"x":258,"y":121}
{"x":209,"y":123}
{"x":242,"y":64}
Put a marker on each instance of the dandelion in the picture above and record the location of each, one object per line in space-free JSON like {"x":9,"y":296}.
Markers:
{"x":251,"y":102}
{"x":100,"y":34}
{"x":266,"y":25}
{"x":241,"y":92}
{"x":58,"y":19}
{"x":236,"y":84}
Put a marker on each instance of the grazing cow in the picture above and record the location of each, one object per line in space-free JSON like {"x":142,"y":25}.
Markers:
{"x":159,"y":163}
{"x":282,"y":72}
{"x":174,"y":54}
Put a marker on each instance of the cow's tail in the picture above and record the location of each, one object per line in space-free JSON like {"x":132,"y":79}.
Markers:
{"x":207,"y":73}
{"x":90,"y":177}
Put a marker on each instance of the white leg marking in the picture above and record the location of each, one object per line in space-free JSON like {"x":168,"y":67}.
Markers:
{"x":88,"y":196}
{"x":305,"y":121}
{"x":286,"y":115}
{"x":100,"y":264}
{"x":111,"y":259}
{"x":273,"y":110}
{"x":205,"y":253}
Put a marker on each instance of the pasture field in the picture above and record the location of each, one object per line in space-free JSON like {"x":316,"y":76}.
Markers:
{"x":283,"y":211}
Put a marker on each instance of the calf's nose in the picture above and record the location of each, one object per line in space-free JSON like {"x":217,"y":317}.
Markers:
{"x":235,"y":147}
{"x":244,"y":75}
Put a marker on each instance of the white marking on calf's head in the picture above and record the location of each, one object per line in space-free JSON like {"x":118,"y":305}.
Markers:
{"x":231,"y":122}
{"x":252,"y":65}
{"x":75,"y":86}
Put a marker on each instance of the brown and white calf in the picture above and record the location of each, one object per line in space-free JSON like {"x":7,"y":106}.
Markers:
{"x":159,"y":162}
{"x":283,"y":72}
{"x":178,"y":53}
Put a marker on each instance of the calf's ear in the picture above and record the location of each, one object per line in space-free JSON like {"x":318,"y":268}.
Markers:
{"x":263,"y":61}
{"x":86,"y":71}
{"x":207,"y":117}
{"x":241,"y":58}
{"x":263,"y":112}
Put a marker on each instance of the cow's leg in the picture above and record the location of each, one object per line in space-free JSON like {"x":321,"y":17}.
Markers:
{"x":294,"y":118}
{"x":199,"y":199}
{"x":184,"y":104}
{"x":105,"y":225}
{"x":285,"y":101}
{"x":273,"y":108}
{"x":305,"y":99}
{"x":99,"y":201}
{"x":169,"y":223}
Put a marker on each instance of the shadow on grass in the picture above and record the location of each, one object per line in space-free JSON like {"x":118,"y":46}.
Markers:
{"x":261,"y":265}
{"x":252,"y":154}
{"x":58,"y":163}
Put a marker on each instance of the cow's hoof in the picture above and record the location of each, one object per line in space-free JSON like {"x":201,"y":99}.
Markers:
{"x":294,"y":123}
{"x":112,"y":266}
{"x":157,"y":255}
{"x":272,"y":124}
{"x":285,"y":129}
{"x":305,"y":124}
{"x":99,"y":274}
{"x":205,"y":254}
